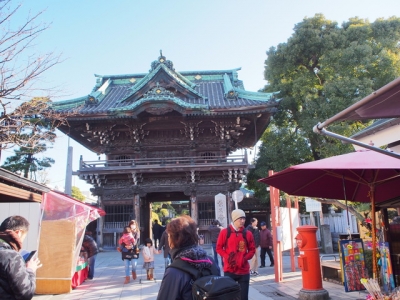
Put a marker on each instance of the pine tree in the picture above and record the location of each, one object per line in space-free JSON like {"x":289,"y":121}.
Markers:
{"x":26,"y":162}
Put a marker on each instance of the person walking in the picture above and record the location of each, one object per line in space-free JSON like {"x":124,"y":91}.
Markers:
{"x":266,"y":245}
{"x":165,"y":246}
{"x":127,"y":242}
{"x":215,"y":229}
{"x":157,"y":232}
{"x":91,"y":248}
{"x":236,"y":246}
{"x":252,"y":227}
{"x":136,"y":235}
{"x":148,"y":256}
{"x":17,"y":277}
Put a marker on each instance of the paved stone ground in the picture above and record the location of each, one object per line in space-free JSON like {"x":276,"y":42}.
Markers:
{"x":109,"y":277}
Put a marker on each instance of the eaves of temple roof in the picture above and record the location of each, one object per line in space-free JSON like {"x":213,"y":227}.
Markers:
{"x":191,"y":92}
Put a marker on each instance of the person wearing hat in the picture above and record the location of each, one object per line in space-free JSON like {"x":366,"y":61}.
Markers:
{"x":236,"y":246}
{"x":265,"y":244}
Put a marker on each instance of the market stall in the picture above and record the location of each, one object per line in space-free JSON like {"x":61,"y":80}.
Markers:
{"x":63,"y":224}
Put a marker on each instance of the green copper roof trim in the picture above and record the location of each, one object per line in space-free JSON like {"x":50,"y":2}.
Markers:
{"x":66,"y":104}
{"x":186,"y":76}
{"x":210,"y":72}
{"x":182,"y":73}
{"x":229,"y":90}
{"x":232,"y":93}
{"x":159,"y":99}
{"x":255,"y":95}
{"x":101,"y":91}
{"x":185,"y":83}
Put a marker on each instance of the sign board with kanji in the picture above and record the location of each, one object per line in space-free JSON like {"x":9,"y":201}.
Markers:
{"x":312,"y":205}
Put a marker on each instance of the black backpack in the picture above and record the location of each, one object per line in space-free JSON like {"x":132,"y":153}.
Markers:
{"x":208,"y":286}
{"x":229,"y":231}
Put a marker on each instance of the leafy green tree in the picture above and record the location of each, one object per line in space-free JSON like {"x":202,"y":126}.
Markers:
{"x":162,"y":210}
{"x":322,"y":69}
{"x":25,"y":161}
{"x":77,"y":194}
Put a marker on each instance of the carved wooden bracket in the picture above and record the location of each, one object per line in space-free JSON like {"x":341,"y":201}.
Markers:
{"x":191,"y":129}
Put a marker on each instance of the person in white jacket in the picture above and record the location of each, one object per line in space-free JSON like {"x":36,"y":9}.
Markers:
{"x":148,"y":257}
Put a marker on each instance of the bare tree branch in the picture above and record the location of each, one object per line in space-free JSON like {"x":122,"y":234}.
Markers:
{"x":25,"y":118}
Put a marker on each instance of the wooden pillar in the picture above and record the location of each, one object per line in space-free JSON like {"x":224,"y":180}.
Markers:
{"x":292,"y":260}
{"x":194,"y":209}
{"x":146,"y":223}
{"x":231,"y":206}
{"x":136,"y":209}
{"x":100,"y":225}
{"x":274,"y":198}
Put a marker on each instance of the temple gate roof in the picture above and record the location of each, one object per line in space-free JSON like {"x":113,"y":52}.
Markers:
{"x":189,"y":92}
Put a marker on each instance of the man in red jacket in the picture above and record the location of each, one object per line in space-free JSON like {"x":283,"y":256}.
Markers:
{"x":236,"y":249}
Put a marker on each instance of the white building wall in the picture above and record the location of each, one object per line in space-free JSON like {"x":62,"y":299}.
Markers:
{"x":30,"y":211}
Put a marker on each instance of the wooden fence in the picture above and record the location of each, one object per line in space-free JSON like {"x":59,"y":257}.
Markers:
{"x":340,"y":224}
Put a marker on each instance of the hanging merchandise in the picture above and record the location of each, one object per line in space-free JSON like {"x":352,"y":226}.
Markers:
{"x":386,"y":267}
{"x":353,"y":264}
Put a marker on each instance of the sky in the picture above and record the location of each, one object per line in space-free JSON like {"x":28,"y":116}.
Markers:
{"x":125,"y":36}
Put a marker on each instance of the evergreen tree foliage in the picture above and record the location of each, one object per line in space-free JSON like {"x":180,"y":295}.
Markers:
{"x":322,"y":69}
{"x":26,"y":162}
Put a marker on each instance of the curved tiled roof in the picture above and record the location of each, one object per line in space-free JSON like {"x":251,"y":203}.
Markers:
{"x":200,"y":91}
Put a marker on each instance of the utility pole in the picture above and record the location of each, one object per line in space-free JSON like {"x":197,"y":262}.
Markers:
{"x":68,"y":174}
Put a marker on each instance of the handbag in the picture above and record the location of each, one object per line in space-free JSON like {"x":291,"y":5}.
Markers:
{"x":127,"y":253}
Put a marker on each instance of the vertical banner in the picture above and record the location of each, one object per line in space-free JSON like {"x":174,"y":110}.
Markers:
{"x":386,"y":267}
{"x":220,"y":209}
{"x":287,"y":219}
{"x":353,"y":264}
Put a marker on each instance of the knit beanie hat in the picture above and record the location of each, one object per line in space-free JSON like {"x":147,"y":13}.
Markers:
{"x":237,"y":213}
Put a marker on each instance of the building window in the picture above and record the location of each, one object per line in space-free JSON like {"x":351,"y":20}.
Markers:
{"x":206,"y":210}
{"x":208,"y":155}
{"x":118,"y":213}
{"x":123,"y":158}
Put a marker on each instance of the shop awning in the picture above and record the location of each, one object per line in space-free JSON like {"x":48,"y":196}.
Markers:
{"x":56,"y":200}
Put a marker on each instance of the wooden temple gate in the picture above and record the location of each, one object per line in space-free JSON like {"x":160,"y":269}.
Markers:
{"x":167,"y":136}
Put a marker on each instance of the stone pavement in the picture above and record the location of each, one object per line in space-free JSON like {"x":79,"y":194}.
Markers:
{"x":109,"y":277}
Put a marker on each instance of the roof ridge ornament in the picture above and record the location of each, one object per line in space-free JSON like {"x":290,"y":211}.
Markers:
{"x":230,"y":91}
{"x":158,"y":92}
{"x":162,"y":60}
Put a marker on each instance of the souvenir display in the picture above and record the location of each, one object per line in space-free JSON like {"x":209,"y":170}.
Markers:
{"x":353,"y":264}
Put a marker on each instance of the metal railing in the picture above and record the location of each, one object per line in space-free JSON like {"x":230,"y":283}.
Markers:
{"x":112,"y":225}
{"x":161,"y":162}
{"x":205,"y":222}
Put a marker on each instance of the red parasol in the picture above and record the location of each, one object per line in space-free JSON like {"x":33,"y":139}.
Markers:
{"x":363,"y":176}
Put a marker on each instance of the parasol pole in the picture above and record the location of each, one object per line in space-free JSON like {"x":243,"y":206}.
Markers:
{"x":347,"y":209}
{"x":374,"y":266}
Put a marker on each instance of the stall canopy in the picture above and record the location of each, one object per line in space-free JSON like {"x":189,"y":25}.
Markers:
{"x":55,"y":197}
{"x":383,"y":103}
{"x":63,"y":225}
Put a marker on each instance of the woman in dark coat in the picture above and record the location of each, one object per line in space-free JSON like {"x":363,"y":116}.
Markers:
{"x":91,"y":248}
{"x":165,"y":245}
{"x":183,"y":241}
